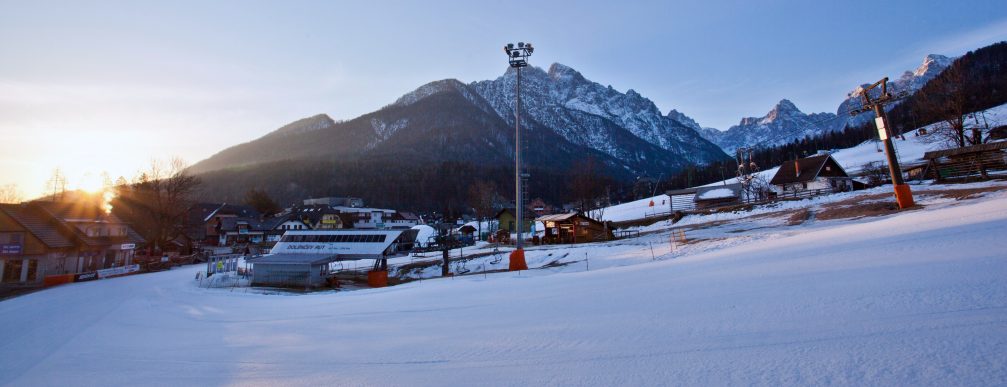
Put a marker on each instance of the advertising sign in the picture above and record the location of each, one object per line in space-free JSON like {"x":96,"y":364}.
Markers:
{"x":10,"y":249}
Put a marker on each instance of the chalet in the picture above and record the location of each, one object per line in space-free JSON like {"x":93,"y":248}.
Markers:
{"x":39,"y":239}
{"x":574,"y":227}
{"x":204,"y":219}
{"x":816,"y":174}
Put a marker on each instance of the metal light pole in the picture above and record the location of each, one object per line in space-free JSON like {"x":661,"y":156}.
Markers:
{"x":517,"y":57}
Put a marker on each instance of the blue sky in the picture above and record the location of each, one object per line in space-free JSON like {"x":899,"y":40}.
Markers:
{"x":105,"y":86}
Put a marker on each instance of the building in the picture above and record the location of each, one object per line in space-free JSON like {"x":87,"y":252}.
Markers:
{"x":976,"y":161}
{"x":204,"y":220}
{"x":718,"y":196}
{"x":335,"y":202}
{"x":690,"y":199}
{"x":815,"y":174}
{"x":573,"y":227}
{"x":305,"y":258}
{"x":39,"y":239}
{"x":506,"y":218}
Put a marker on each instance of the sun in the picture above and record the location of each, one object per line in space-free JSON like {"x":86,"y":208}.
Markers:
{"x":91,"y":183}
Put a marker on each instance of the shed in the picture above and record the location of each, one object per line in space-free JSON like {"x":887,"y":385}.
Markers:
{"x":574,"y":227}
{"x":683,"y":199}
{"x":718,"y":195}
{"x":966,"y":162}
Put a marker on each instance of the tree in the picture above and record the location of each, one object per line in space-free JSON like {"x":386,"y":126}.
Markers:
{"x":587,"y":185}
{"x":10,"y":194}
{"x":261,"y":202}
{"x":157,"y":201}
{"x":947,"y":99}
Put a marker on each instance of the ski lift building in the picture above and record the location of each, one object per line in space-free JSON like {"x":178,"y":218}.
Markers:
{"x":303,"y":258}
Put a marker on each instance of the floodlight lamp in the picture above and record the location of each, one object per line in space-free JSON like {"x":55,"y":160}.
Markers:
{"x":515,"y":53}
{"x":520,"y":44}
{"x":510,"y":45}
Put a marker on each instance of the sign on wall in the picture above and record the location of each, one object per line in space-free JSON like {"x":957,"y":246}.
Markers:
{"x":10,"y":249}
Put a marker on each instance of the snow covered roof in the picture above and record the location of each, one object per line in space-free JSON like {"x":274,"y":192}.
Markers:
{"x":721,"y":192}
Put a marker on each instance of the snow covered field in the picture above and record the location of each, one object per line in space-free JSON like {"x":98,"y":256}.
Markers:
{"x":912,"y":298}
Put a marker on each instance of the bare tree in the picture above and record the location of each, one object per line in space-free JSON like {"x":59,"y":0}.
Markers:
{"x":948,"y":99}
{"x":10,"y":194}
{"x":55,"y":187}
{"x":157,"y":201}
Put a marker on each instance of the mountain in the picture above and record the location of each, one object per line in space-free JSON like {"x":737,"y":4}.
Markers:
{"x":910,"y":82}
{"x":785,"y":123}
{"x":595,"y":116}
{"x":565,"y":116}
{"x":782,"y":124}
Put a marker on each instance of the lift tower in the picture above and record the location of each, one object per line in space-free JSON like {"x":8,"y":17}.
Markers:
{"x":903,"y":195}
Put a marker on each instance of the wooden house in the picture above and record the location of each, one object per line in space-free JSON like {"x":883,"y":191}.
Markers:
{"x":573,"y":227}
{"x":815,"y":174}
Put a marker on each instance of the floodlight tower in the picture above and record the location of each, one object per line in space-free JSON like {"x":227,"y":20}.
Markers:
{"x":517,"y":57}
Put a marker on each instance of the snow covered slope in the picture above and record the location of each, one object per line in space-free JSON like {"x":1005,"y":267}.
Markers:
{"x":916,"y":298}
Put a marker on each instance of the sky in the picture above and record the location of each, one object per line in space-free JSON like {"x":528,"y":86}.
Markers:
{"x":92,"y":87}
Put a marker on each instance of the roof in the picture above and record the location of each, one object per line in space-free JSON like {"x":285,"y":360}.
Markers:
{"x":295,"y":259}
{"x":67,"y":213}
{"x":563,"y":217}
{"x":719,"y":192}
{"x":808,"y":170}
{"x":37,"y":224}
{"x":684,"y":191}
{"x":993,"y":146}
{"x":321,"y":243}
{"x":231,"y":224}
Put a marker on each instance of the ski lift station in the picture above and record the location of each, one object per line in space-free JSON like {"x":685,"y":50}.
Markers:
{"x":303,"y":258}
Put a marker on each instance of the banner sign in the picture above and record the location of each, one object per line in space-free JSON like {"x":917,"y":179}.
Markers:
{"x":114,"y":271}
{"x":10,"y":249}
{"x":127,"y":246}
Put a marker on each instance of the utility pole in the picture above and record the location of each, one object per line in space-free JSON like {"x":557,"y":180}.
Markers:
{"x":903,"y":195}
{"x":517,"y":57}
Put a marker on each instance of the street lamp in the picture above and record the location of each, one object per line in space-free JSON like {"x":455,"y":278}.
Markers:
{"x":517,"y":57}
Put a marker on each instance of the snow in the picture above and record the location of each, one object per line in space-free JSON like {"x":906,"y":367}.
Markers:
{"x":717,"y":193}
{"x":915,"y":298}
{"x":424,"y":235}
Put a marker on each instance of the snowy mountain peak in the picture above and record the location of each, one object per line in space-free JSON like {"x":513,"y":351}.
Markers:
{"x":684,"y":119}
{"x":563,"y":73}
{"x":931,"y":63}
{"x":430,"y":89}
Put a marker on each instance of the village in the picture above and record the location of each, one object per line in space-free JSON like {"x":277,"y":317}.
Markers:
{"x":52,"y":242}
